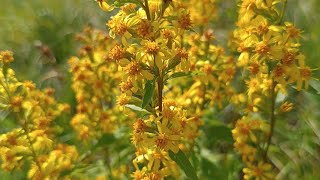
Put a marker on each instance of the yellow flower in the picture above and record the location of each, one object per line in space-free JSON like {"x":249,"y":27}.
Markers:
{"x":104,"y":5}
{"x":165,"y":138}
{"x":10,"y":159}
{"x":6,"y":57}
{"x":286,"y":106}
{"x":262,"y":171}
{"x":253,"y":86}
{"x":16,"y":103}
{"x":135,"y":72}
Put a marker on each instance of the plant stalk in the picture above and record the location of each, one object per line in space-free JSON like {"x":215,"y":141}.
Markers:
{"x":146,"y":4}
{"x":272,"y":116}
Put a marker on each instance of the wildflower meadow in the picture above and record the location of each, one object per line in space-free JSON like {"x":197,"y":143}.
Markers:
{"x":159,"y":89}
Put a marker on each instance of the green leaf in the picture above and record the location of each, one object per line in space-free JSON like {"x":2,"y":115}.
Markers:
{"x":148,"y":93}
{"x":106,"y":139}
{"x":315,"y":85}
{"x":216,"y":133}
{"x":183,"y":74}
{"x":181,"y":159}
{"x":136,"y":108}
{"x":180,"y":74}
{"x":120,"y":3}
{"x":271,"y":66}
{"x":173,"y":63}
{"x":209,"y":169}
{"x":135,"y":101}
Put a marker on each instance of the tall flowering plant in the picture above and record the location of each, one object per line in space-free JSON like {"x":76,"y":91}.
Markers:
{"x":142,"y":90}
{"x":151,"y":53}
{"x":270,"y":61}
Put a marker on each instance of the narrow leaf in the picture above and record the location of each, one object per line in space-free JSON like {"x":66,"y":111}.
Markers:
{"x":148,"y":93}
{"x":136,"y":108}
{"x":173,"y":63}
{"x":181,"y":159}
{"x":315,"y":85}
{"x":179,"y":74}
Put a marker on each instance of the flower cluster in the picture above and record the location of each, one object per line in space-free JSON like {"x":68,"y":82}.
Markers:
{"x":142,"y":89}
{"x":268,"y":48}
{"x":202,"y":13}
{"x":95,"y":78}
{"x":213,"y":74}
{"x":34,"y":140}
{"x":270,"y":61}
{"x":248,"y":133}
{"x":211,"y":69}
{"x":154,"y":137}
{"x":151,"y":52}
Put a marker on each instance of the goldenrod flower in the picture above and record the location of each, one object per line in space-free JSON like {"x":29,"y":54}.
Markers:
{"x":6,"y":57}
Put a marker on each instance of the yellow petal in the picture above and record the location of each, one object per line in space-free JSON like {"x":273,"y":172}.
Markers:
{"x":105,"y":6}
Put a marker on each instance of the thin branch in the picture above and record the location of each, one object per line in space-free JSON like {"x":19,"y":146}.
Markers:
{"x":272,"y":116}
{"x":25,"y":128}
{"x":146,"y":8}
{"x":282,"y":12}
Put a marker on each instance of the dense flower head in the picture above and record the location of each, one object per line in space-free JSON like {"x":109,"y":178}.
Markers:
{"x":6,"y":57}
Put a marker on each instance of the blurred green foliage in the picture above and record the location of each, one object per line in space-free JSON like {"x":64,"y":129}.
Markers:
{"x":41,"y":35}
{"x":28,"y":27}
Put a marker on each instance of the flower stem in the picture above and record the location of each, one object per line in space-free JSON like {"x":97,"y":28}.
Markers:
{"x":282,"y":12}
{"x":272,"y":116}
{"x":146,"y":8}
{"x":160,"y":89}
{"x":273,"y":94}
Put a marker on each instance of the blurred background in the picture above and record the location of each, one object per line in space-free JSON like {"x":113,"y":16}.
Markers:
{"x":41,"y":35}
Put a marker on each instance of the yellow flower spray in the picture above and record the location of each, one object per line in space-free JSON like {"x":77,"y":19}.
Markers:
{"x":270,"y":61}
{"x":157,"y":71}
{"x":151,"y":52}
{"x":34,"y":140}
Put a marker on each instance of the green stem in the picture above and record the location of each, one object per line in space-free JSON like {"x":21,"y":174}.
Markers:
{"x":181,"y":43}
{"x":272,"y":117}
{"x":34,"y":155}
{"x":160,"y":84}
{"x":146,"y":8}
{"x":160,"y":89}
{"x":273,"y":94}
{"x":24,"y":126}
{"x":282,"y":12}
{"x":207,"y":47}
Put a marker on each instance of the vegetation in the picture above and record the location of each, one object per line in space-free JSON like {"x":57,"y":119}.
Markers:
{"x":168,"y":89}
